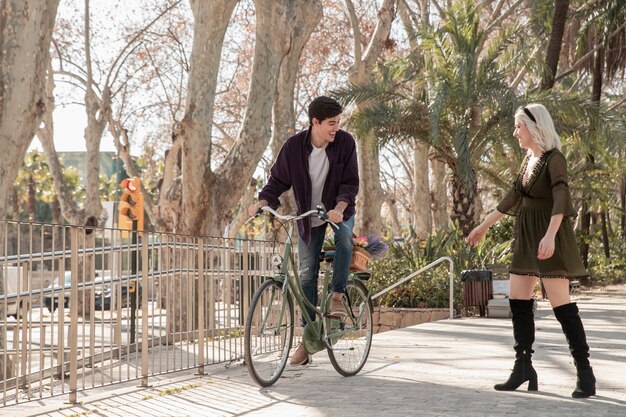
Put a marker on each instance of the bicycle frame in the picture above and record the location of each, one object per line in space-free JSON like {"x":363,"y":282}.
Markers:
{"x":270,"y":331}
{"x":291,"y":283}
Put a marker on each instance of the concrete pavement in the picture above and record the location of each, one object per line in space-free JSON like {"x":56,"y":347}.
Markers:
{"x":444,"y":368}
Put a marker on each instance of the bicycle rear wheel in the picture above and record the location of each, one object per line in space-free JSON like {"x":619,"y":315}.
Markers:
{"x":351,"y":337}
{"x":269,"y":333}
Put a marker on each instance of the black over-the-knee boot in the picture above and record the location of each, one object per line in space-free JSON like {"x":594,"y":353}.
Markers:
{"x":574,"y":331}
{"x":524,"y":334}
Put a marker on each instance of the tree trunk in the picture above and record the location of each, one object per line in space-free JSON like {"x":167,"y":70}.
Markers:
{"x":421,"y":202}
{"x":193,"y":135}
{"x":45,"y":134}
{"x":605,"y":234}
{"x":242,"y":212}
{"x":553,"y":53}
{"x":463,"y":199}
{"x":279,"y":32}
{"x":596,"y":95}
{"x":396,"y":228}
{"x":26,"y":30}
{"x":422,"y":220}
{"x":194,"y":131}
{"x":284,"y":117}
{"x":439,"y":200}
{"x":371,"y":195}
{"x":25,"y":33}
{"x":622,"y":198}
{"x":169,"y":208}
{"x":97,"y":111}
{"x":206,"y":206}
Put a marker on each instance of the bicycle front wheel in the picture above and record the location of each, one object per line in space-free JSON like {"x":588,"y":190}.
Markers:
{"x":269,"y":333}
{"x":351,"y":337}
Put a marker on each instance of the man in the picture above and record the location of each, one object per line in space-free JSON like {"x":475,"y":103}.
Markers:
{"x":320,"y":163}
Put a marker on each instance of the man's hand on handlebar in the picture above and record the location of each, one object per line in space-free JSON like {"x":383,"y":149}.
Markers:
{"x":335,"y":216}
{"x":255,"y":209}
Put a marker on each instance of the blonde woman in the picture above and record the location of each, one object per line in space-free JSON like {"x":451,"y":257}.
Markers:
{"x":544,"y":248}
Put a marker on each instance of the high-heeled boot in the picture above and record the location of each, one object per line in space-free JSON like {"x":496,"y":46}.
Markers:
{"x":524,"y":335}
{"x":574,"y":331}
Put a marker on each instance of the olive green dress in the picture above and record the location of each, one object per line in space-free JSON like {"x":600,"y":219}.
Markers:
{"x":546,"y":193}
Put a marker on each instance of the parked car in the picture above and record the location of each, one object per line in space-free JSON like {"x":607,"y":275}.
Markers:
{"x":104,"y":297}
{"x":51,"y":300}
{"x":103,"y":294}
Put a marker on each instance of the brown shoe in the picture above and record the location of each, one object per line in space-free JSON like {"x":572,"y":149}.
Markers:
{"x":337,"y":308}
{"x":299,"y":357}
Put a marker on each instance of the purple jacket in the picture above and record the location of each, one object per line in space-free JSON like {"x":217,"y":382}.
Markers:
{"x":291,"y":169}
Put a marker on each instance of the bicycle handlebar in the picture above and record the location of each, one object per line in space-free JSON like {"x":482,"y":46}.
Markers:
{"x":320,"y":212}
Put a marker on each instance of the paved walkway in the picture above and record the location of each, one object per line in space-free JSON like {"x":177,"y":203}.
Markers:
{"x":444,"y":368}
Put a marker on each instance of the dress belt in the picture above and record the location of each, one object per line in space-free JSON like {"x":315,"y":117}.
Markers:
{"x":537,"y":203}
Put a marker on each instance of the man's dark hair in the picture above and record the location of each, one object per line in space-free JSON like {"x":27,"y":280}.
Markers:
{"x":323,"y":108}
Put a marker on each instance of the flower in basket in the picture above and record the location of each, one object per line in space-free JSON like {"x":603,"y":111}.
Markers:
{"x":360,"y":241}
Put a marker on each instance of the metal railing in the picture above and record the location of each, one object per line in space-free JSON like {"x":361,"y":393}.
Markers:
{"x":82,"y":308}
{"x":419,"y":271}
{"x":106,"y":310}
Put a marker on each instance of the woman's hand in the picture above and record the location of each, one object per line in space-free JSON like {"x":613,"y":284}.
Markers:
{"x":546,"y":248}
{"x":477,"y":235}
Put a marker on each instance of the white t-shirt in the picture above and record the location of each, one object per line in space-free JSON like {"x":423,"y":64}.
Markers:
{"x":318,"y":170}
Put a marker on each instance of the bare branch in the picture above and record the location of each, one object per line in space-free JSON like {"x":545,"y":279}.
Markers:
{"x":381,"y":33}
{"x":123,"y":54}
{"x":589,"y":54}
{"x":497,"y":22}
{"x":160,"y":78}
{"x":356,"y":32}
{"x":496,"y":11}
{"x":121,"y":64}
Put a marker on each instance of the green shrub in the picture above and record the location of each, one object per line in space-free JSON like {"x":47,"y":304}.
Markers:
{"x":605,"y":271}
{"x":431,"y":288}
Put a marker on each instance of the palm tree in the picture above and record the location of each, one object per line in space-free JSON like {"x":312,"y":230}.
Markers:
{"x":602,"y":48}
{"x":464,"y":71}
{"x":553,"y":51}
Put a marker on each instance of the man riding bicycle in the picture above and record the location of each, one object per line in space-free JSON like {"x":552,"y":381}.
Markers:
{"x":321,"y":165}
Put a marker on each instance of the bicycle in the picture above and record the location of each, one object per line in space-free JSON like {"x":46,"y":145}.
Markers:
{"x":269,"y":330}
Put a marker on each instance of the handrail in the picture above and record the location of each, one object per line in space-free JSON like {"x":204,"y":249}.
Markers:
{"x":414,"y":274}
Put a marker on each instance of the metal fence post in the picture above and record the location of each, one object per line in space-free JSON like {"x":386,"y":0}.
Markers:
{"x":133,"y":272}
{"x":73,"y":331}
{"x":201,"y":306}
{"x":145,"y":316}
{"x":245,"y":284}
{"x":451,"y":287}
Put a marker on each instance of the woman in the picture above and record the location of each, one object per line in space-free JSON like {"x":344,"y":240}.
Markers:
{"x":544,"y":248}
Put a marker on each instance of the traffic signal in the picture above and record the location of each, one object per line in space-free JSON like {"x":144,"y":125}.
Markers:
{"x":131,"y":204}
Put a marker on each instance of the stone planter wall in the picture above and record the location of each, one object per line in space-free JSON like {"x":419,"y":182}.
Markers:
{"x":388,"y":318}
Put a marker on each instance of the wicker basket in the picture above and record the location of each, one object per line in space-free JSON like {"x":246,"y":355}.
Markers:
{"x":360,"y":258}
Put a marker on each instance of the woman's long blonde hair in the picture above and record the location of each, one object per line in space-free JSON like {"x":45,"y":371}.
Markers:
{"x":542,"y":129}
